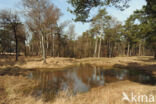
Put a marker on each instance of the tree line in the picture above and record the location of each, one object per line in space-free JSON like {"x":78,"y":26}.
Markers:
{"x":41,"y":35}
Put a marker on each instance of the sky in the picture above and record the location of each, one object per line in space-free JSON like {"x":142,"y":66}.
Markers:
{"x":67,"y":16}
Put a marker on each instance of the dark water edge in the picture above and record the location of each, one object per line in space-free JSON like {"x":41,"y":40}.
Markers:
{"x":82,"y":78}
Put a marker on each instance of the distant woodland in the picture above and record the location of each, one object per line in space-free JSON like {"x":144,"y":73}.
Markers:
{"x":39,"y":34}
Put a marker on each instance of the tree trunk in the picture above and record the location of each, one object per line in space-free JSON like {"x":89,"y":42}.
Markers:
{"x":16,"y":41}
{"x":95,"y":49}
{"x":40,"y":48}
{"x":124,"y":50}
{"x":10,"y":46}
{"x":86,"y":49}
{"x":128,"y":49}
{"x":47,"y":46}
{"x":74,"y":47}
{"x":16,"y":49}
{"x":143,"y":50}
{"x":43,"y":51}
{"x":53,"y":46}
{"x":100,"y":46}
{"x":139,"y":49}
{"x":130,"y":52}
{"x":109,"y":50}
{"x":25,"y":51}
{"x":155,"y":54}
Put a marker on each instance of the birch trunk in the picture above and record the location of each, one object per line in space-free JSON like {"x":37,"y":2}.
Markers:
{"x":43,"y":51}
{"x":95,"y":50}
{"x":100,"y":46}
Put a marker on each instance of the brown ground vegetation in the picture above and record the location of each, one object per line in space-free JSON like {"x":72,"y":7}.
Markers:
{"x":16,"y":88}
{"x":59,"y":62}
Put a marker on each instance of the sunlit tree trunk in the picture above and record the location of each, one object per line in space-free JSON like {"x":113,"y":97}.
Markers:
{"x":47,"y":46}
{"x":53,"y":46}
{"x":95,"y":49}
{"x":87,"y":48}
{"x":74,"y":47}
{"x":43,"y":50}
{"x":99,"y":52}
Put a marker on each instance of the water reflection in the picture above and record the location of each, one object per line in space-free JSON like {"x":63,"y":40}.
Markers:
{"x":82,"y":78}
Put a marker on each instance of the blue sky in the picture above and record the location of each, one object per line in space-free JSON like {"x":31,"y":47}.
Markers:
{"x":80,"y":27}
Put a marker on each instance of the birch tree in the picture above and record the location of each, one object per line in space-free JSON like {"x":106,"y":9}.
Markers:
{"x":42,"y":15}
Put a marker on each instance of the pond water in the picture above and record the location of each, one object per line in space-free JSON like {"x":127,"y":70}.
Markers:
{"x":82,"y":78}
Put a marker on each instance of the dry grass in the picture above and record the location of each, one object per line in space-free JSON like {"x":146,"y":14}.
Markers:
{"x":110,"y":94}
{"x":15,"y":89}
{"x":36,"y":62}
{"x":18,"y":89}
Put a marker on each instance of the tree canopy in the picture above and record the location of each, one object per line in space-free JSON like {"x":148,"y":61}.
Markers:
{"x":81,"y":8}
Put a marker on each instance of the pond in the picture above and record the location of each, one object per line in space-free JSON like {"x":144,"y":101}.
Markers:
{"x":82,"y":78}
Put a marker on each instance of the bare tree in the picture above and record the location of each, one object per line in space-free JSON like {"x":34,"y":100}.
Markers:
{"x":71,"y":32}
{"x":96,"y":43}
{"x":71,"y":35}
{"x":42,"y":15}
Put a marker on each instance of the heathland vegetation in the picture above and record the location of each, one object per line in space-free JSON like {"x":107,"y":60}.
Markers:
{"x":33,"y":41}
